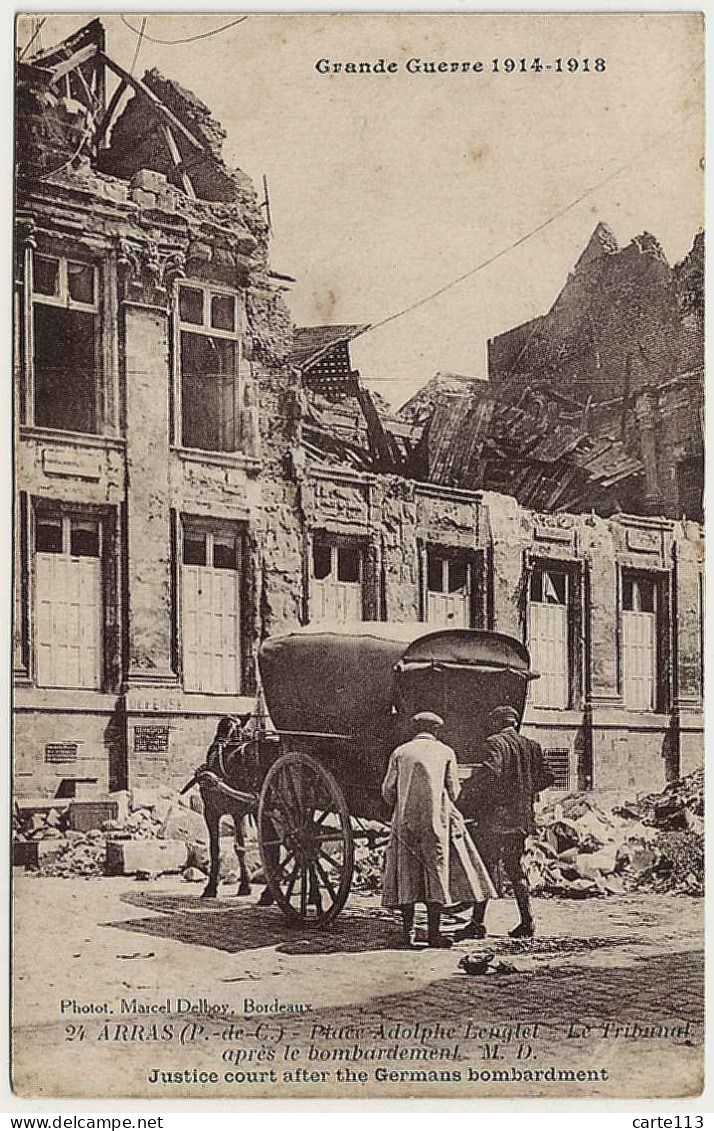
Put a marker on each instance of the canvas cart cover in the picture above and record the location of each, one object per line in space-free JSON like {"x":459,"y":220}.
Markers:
{"x":352,"y":680}
{"x":335,"y":679}
{"x":462,"y":674}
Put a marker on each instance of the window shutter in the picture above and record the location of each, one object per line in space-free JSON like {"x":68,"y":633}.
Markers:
{"x":548,"y":644}
{"x":69,"y":621}
{"x":211,"y":626}
{"x":638,"y":653}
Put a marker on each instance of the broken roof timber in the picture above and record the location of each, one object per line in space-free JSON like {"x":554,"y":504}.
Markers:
{"x":455,"y":438}
{"x":158,"y":105}
{"x":93,"y":32}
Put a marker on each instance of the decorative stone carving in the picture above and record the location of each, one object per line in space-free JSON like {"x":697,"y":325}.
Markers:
{"x":128,"y":263}
{"x":146,"y":273}
{"x":173,"y":267}
{"x":27,"y":234}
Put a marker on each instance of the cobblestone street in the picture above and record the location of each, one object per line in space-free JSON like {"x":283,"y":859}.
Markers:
{"x":627,"y":960}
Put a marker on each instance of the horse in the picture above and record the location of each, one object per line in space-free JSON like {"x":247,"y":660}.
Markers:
{"x":229,"y":783}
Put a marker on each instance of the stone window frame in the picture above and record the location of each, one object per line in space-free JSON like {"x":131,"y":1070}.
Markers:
{"x":701,"y":595}
{"x":22,"y":612}
{"x":236,"y":335}
{"x":476,"y":559}
{"x":372,"y":595}
{"x":577,"y":624}
{"x":107,"y":518}
{"x":240,"y":528}
{"x":105,"y":310}
{"x":661,"y":577}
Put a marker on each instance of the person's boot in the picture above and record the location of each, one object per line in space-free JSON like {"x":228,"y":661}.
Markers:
{"x":524,"y":930}
{"x":408,"y":931}
{"x":435,"y":937}
{"x":475,"y":929}
{"x":526,"y":927}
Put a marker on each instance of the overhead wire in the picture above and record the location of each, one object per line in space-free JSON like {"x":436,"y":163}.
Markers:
{"x":527,"y":235}
{"x":139,"y":42}
{"x":32,"y":38}
{"x":187,"y":39}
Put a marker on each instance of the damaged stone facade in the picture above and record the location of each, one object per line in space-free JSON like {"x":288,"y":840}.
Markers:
{"x":150,"y":484}
{"x":625,"y":341}
{"x":169,"y":513}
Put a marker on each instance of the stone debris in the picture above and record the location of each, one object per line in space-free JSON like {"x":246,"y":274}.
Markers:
{"x":652,"y":843}
{"x":193,"y":875}
{"x":584,"y":850}
{"x":368,"y":868}
{"x":145,"y":815}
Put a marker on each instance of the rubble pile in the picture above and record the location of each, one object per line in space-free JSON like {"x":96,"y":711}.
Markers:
{"x":37,"y":826}
{"x":581,"y":850}
{"x":83,"y":853}
{"x":369,"y":862}
{"x":654,"y":843}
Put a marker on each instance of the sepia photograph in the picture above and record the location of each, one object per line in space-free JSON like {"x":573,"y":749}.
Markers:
{"x":358,"y":556}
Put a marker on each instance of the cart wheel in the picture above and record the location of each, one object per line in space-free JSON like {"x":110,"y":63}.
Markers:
{"x":305,"y":840}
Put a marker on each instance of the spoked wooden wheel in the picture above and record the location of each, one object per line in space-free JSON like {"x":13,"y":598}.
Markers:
{"x":305,"y":840}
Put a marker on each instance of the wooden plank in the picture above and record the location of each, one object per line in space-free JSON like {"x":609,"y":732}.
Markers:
{"x":176,"y":158}
{"x":59,"y":70}
{"x":110,"y":111}
{"x":92,"y":33}
{"x":377,"y":436}
{"x":154,"y":99}
{"x":91,"y":98}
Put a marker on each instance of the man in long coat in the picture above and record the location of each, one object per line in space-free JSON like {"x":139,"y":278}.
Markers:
{"x":500,"y":794}
{"x":430,"y":858}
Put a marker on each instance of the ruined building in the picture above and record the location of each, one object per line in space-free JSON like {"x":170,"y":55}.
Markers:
{"x":623,"y":347}
{"x":192,"y":476}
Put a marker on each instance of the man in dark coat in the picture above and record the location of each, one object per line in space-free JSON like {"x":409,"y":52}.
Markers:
{"x":500,"y":794}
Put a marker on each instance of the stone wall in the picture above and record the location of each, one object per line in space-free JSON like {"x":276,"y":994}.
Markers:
{"x":624,"y":336}
{"x":613,"y":328}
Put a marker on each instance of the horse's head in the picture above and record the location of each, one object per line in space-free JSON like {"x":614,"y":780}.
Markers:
{"x":233,"y":754}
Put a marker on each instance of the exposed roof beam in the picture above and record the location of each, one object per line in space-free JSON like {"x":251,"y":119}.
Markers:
{"x":176,"y":158}
{"x":155,"y":101}
{"x":110,"y":112}
{"x":72,"y":62}
{"x":91,"y":34}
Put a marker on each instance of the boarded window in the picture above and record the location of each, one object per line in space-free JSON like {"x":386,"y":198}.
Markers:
{"x":448,"y":590}
{"x":208,"y":360}
{"x":548,"y":636}
{"x":65,"y":346}
{"x":210,"y":600}
{"x":337,"y":570}
{"x":639,"y":641}
{"x":68,"y":580}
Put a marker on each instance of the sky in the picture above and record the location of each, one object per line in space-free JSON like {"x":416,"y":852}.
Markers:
{"x":385,"y":188}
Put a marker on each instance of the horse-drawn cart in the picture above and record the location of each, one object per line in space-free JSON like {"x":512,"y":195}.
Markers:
{"x":340,"y":699}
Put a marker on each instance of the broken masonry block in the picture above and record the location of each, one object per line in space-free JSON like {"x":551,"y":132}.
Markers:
{"x":124,"y":858}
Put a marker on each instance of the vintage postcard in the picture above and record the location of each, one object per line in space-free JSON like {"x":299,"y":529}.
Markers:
{"x":358,"y":531}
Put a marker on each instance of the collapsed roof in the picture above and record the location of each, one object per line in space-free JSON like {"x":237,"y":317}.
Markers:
{"x":152,"y":143}
{"x":82,"y":111}
{"x":458,"y":432}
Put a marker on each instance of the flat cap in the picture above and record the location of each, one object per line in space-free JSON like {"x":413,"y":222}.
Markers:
{"x":427,"y":719}
{"x":503,"y":717}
